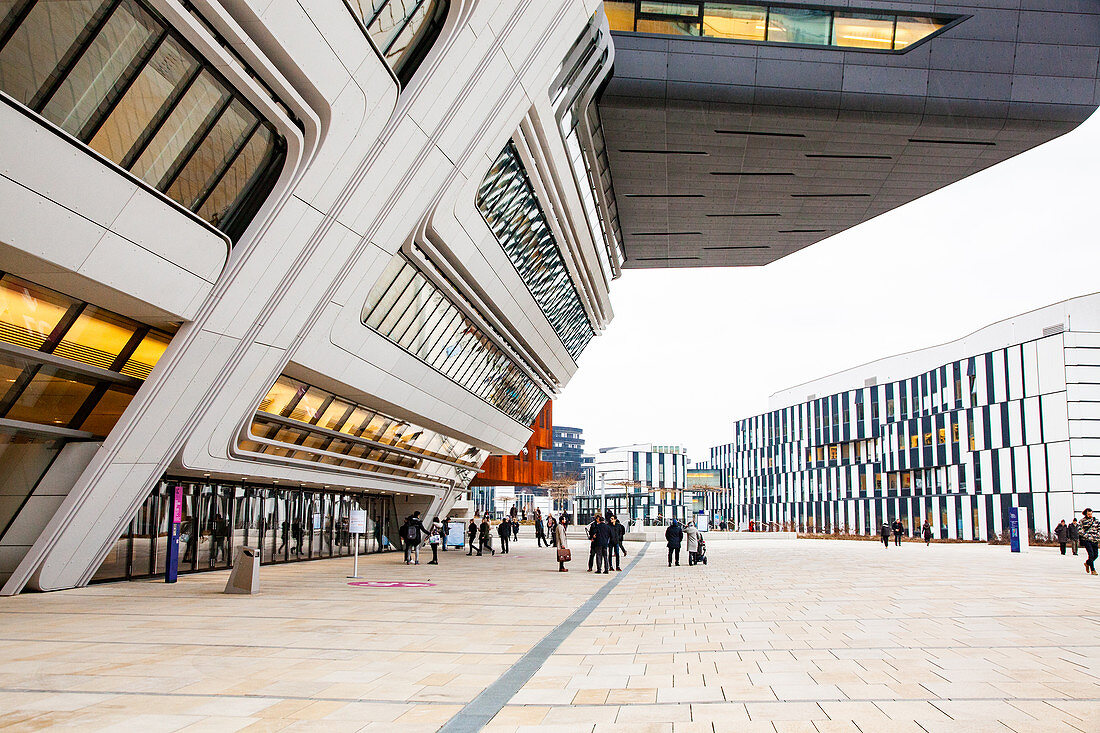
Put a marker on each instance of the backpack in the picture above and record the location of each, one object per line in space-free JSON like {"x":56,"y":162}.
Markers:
{"x":410,"y":531}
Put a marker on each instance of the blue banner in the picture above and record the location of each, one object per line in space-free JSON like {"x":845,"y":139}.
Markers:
{"x":1014,"y":528}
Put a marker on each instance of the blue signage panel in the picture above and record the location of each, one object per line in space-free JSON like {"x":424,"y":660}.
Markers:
{"x":1014,"y":528}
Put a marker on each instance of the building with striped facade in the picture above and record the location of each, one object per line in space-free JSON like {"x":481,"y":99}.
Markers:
{"x":955,"y":434}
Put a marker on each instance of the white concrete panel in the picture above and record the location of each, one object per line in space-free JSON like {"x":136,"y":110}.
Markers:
{"x":1055,"y":417}
{"x":1052,"y":371}
{"x":1031,"y":368}
{"x":1038,"y":463}
{"x":1059,"y":473}
{"x":1084,"y":410}
{"x":1083,"y":392}
{"x":1083,"y":374}
{"x":1084,"y":429}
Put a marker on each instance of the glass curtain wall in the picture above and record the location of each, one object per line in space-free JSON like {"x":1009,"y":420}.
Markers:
{"x":511,"y":208}
{"x":300,"y":421}
{"x":287,"y":525}
{"x":113,"y":75}
{"x":407,"y":308}
{"x":68,"y":370}
{"x":403,"y":30}
{"x":823,"y":26}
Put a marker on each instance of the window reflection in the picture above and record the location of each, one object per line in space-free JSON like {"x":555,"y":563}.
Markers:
{"x":403,"y":30}
{"x":111,"y":75}
{"x":773,"y":23}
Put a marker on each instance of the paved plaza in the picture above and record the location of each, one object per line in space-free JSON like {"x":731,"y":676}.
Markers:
{"x":770,"y":636}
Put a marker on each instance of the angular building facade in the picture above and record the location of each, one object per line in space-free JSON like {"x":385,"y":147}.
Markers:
{"x":954,"y":435}
{"x":262,"y":264}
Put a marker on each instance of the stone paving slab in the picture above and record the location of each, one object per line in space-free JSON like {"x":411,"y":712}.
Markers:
{"x":770,"y":636}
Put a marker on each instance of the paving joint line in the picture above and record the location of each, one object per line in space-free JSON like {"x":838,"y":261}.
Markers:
{"x":477,"y":713}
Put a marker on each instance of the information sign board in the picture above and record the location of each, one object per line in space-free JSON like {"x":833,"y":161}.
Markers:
{"x":357,"y":521}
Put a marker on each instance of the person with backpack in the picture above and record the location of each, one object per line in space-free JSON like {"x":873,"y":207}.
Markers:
{"x":411,"y":533}
{"x":884,"y":533}
{"x":674,"y":536}
{"x":435,"y":533}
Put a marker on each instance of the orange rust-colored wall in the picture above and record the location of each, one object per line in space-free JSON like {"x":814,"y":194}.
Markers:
{"x":523,"y":470}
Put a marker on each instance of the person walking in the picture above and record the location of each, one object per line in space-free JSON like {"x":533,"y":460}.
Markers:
{"x":413,"y":534}
{"x":515,"y":527}
{"x":551,"y":529}
{"x":692,"y":533}
{"x":618,"y":532}
{"x":560,"y":542}
{"x":434,"y":534}
{"x":472,"y":533}
{"x":1089,"y":530}
{"x":446,"y":530}
{"x":504,"y":529}
{"x":1062,"y":533}
{"x":898,"y":528}
{"x":486,"y":536}
{"x":674,"y":536}
{"x":927,"y":532}
{"x":1074,"y":535}
{"x":540,"y":532}
{"x":884,"y":532}
{"x":602,"y":540}
{"x":592,"y":541}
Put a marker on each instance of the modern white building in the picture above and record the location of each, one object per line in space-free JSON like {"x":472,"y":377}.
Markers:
{"x":954,"y":435}
{"x":643,"y":482}
{"x":266,"y":263}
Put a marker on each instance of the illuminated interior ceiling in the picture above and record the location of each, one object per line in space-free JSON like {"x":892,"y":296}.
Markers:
{"x":741,"y":151}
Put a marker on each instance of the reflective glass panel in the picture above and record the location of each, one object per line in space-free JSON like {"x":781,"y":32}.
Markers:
{"x":240,"y":175}
{"x":620,"y":14}
{"x":52,"y":397}
{"x":670,"y":8}
{"x":169,"y":69}
{"x":97,"y":337}
{"x":108,"y":410}
{"x":188,"y":117}
{"x":29,"y":313}
{"x":146,"y":355}
{"x":668,"y":27}
{"x":24,"y":457}
{"x":40,"y":42}
{"x":213,"y":153}
{"x":102,"y":64}
{"x":910,"y":30}
{"x":796,"y":25}
{"x":863,"y":30}
{"x":743,"y":22}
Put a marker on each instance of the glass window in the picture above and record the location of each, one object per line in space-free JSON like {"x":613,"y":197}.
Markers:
{"x":668,"y":27}
{"x":796,"y":25}
{"x":108,"y":410}
{"x":620,"y":14}
{"x":189,"y":117}
{"x":309,"y":405}
{"x":910,"y":30}
{"x":403,"y":30}
{"x":24,"y":457}
{"x":219,"y":145}
{"x":333,"y":414}
{"x":109,"y":56}
{"x":280,"y":395}
{"x":146,"y":355}
{"x":97,"y":338}
{"x":40,"y":42}
{"x":743,"y":22}
{"x":170,"y":68}
{"x":53,"y":397}
{"x":863,"y":30}
{"x":245,"y":170}
{"x":29,"y":313}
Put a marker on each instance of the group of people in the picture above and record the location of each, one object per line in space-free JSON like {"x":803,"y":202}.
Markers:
{"x":605,"y":542}
{"x":1086,"y":532}
{"x":414,"y":535}
{"x":481,"y":535}
{"x":696,"y":546}
{"x":897,"y":529}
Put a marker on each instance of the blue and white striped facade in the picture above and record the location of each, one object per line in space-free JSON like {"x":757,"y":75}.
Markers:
{"x":955,"y":434}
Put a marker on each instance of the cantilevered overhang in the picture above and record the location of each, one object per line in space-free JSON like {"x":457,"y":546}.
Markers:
{"x":728,"y":152}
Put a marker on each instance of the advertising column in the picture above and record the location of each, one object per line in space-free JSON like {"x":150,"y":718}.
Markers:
{"x":172,"y":560}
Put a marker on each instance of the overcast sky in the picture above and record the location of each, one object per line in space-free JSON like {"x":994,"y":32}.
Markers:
{"x":692,"y":350}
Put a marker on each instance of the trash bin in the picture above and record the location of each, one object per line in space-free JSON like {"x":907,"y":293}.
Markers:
{"x":245,"y":577}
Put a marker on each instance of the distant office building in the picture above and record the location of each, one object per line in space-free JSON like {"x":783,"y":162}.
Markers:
{"x":641,"y":482}
{"x":567,"y":453}
{"x":954,"y":435}
{"x":588,"y":469}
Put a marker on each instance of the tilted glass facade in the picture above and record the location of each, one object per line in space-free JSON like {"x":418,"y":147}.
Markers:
{"x":300,"y":422}
{"x":402,"y":30}
{"x":285,"y":524}
{"x":510,"y":206}
{"x":804,"y":25}
{"x":569,"y":96}
{"x":68,"y":369}
{"x":409,"y":309}
{"x":113,"y":75}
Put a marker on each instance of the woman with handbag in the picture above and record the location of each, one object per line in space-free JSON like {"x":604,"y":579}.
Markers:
{"x":564,"y":555}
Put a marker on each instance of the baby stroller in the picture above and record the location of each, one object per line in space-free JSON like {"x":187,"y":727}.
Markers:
{"x":701,"y":555}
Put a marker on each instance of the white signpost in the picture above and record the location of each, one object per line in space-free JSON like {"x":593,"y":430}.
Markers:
{"x":357,"y":525}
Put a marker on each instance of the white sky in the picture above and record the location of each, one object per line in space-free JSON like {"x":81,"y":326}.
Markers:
{"x":691,"y":350}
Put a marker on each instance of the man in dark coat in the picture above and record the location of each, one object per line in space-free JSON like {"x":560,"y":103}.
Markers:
{"x":603,"y":536}
{"x":618,"y":531}
{"x":540,"y":531}
{"x":485,"y":535}
{"x":504,"y":529}
{"x":1062,"y":533}
{"x":674,"y":536}
{"x":412,"y":532}
{"x":446,"y":531}
{"x":884,"y":532}
{"x":898,"y":528}
{"x":1074,"y":534}
{"x":472,"y":533}
{"x":592,"y":541}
